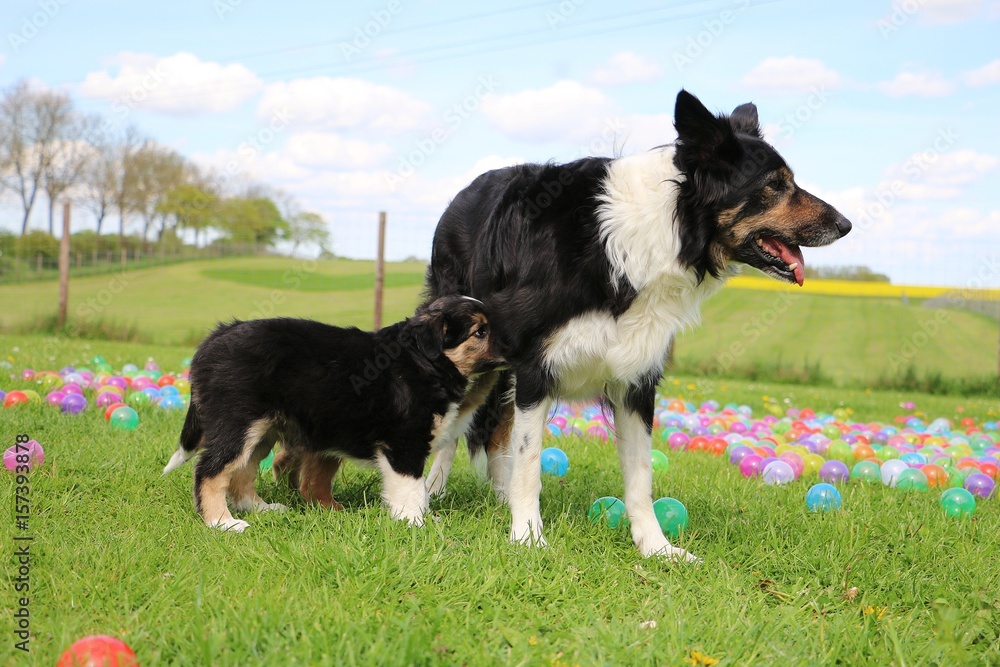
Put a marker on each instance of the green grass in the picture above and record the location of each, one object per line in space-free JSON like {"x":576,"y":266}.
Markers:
{"x":119,"y":550}
{"x":844,"y":341}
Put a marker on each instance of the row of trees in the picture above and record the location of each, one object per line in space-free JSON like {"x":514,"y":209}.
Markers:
{"x":50,"y":152}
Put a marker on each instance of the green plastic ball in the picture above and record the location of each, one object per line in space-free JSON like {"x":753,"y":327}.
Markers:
{"x":672,"y":515}
{"x":124,"y":419}
{"x":660,"y":462}
{"x":887,"y":453}
{"x":265,"y":465}
{"x":609,"y":511}
{"x":840,"y":451}
{"x":912,"y":479}
{"x":832,"y":432}
{"x":138,"y":398}
{"x":866,"y":471}
{"x":958,"y":503}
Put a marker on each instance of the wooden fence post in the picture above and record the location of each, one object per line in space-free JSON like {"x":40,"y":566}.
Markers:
{"x":64,"y":268}
{"x":380,"y":270}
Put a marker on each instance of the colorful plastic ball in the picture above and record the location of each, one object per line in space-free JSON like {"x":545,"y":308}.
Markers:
{"x":174,"y":402}
{"x":106,"y":398}
{"x":912,"y":479}
{"x":795,"y":461}
{"x":823,"y":497}
{"x":672,"y":516}
{"x":678,"y":440}
{"x":811,"y":463}
{"x":73,"y":404}
{"x":660,"y":461}
{"x":124,"y":419}
{"x":778,"y":472}
{"x":54,"y":398}
{"x":891,"y":470}
{"x":31,"y":449}
{"x":169,"y":390}
{"x":15,"y":398}
{"x":153,"y":393}
{"x":98,"y":651}
{"x":608,"y":511}
{"x":267,"y":462}
{"x":183,"y":386}
{"x":554,"y":460}
{"x":110,"y":410}
{"x":866,"y":471}
{"x":139,"y":398}
{"x":840,"y":450}
{"x":750,"y":465}
{"x":980,"y":485}
{"x":834,"y":472}
{"x":957,"y":503}
{"x":936,"y":475}
{"x":738,"y":453}
{"x":553,"y":429}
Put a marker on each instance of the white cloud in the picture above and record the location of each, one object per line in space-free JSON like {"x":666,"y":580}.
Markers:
{"x":933,"y":175}
{"x":331,"y":151}
{"x":627,"y":67}
{"x":179,"y":84}
{"x":791,"y":75}
{"x":565,"y":111}
{"x":3,"y":59}
{"x":344,"y":103}
{"x":921,"y":84}
{"x":954,"y":11}
{"x":984,"y":76}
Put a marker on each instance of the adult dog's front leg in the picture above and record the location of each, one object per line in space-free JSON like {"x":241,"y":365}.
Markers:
{"x":526,"y":473}
{"x":634,"y":437}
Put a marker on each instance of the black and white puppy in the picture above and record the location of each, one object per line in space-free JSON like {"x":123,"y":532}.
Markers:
{"x":326,"y":392}
{"x":590,"y":268}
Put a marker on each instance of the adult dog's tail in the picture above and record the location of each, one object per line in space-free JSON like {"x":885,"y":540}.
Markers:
{"x":190,"y":439}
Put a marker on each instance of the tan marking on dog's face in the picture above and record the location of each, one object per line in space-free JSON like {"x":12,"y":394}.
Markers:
{"x":475,"y":350}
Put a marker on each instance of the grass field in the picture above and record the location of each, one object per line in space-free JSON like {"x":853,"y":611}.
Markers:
{"x":853,"y":339}
{"x":119,"y":550}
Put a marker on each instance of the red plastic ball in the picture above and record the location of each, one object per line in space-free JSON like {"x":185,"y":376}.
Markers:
{"x":98,"y":651}
{"x":112,"y":408}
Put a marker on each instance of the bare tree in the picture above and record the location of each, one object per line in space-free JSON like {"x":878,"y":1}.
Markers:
{"x":157,"y":170}
{"x":71,"y":151}
{"x":100,"y":180}
{"x":31,"y":122}
{"x":125,"y":148}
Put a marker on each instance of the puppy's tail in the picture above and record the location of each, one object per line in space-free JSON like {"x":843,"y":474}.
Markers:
{"x":190,"y":439}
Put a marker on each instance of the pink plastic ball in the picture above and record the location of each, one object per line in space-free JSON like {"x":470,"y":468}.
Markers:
{"x":750,"y":465}
{"x":36,"y":456}
{"x":678,"y":440}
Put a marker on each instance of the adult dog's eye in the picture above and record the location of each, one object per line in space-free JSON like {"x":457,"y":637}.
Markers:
{"x":481,"y":332}
{"x":777,"y":184}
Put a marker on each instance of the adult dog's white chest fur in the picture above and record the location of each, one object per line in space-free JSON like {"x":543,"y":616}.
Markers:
{"x":640,"y":237}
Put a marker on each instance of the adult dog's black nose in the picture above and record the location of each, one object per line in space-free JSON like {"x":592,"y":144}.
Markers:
{"x":843,"y":225}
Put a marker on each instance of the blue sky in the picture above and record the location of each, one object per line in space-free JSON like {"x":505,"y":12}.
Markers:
{"x":887,"y":109}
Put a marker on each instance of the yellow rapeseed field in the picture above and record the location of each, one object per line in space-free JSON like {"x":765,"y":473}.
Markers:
{"x":857,"y":288}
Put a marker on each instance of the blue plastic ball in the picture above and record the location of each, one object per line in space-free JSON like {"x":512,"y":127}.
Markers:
{"x":554,"y":461}
{"x":172,"y":402}
{"x":823,"y":498}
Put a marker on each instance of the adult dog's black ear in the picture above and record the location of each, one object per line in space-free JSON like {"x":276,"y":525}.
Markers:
{"x":744,"y":119}
{"x":705,"y":142}
{"x":428,"y":330}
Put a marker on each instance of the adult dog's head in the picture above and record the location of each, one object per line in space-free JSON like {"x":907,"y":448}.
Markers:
{"x":738,"y":200}
{"x":456,"y":327}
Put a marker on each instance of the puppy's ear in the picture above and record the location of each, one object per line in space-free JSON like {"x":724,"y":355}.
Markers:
{"x":428,"y":329}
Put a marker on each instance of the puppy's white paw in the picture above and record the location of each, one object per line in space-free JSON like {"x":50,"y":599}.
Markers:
{"x":412,"y":516}
{"x":231,"y":525}
{"x":676,"y":554}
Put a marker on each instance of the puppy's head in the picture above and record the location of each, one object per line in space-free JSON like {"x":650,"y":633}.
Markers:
{"x":457,"y":328}
{"x":739,"y":201}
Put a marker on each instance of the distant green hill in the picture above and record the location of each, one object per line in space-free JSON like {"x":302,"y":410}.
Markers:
{"x":852,"y":339}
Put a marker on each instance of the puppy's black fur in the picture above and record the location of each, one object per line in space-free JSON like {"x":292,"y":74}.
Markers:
{"x":325,"y":390}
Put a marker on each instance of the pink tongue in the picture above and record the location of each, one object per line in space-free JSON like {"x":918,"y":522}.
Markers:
{"x":789,"y":255}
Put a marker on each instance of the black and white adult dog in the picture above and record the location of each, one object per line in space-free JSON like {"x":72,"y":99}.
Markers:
{"x":329,"y":393}
{"x":590,"y":268}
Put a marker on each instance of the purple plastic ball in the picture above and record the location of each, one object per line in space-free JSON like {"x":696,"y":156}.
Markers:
{"x":738,"y":454}
{"x":980,"y":485}
{"x":834,"y":472}
{"x":750,"y":465}
{"x":73,"y":404}
{"x":678,"y":440}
